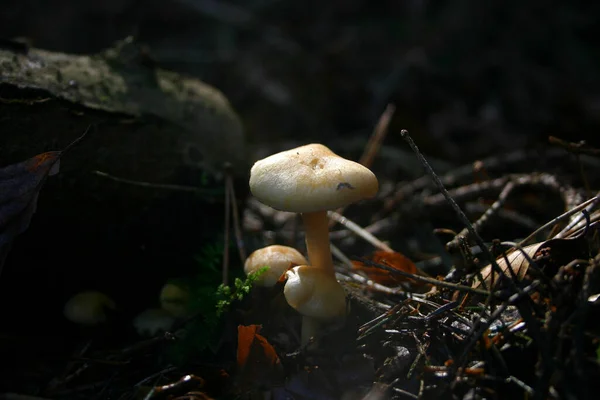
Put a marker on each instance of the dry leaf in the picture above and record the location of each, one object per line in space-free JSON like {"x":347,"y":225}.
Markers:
{"x":257,"y":361}
{"x":517,"y":262}
{"x":559,"y":251}
{"x":20,"y":185}
{"x":391,"y":259}
{"x":19,"y":189}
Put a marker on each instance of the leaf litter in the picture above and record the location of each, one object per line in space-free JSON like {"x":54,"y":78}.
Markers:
{"x":465,"y":309}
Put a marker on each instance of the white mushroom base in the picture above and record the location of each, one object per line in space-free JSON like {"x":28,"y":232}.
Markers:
{"x":316,"y":295}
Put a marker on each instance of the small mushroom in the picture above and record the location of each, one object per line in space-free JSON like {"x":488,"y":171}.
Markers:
{"x":153,"y":321}
{"x":175,"y":299}
{"x":88,"y":308}
{"x":315,"y":295}
{"x":310,"y":180}
{"x":277,"y":258}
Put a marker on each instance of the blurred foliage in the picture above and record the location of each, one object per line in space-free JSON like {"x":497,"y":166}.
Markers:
{"x":211,"y":300}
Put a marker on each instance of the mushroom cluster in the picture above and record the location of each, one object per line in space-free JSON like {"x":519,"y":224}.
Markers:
{"x":310,"y":180}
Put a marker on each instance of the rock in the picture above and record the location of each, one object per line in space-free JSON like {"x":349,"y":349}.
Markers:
{"x":147,"y":122}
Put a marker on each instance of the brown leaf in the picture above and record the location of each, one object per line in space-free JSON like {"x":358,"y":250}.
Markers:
{"x":558,"y":252}
{"x":391,"y":259}
{"x":257,"y":360}
{"x":517,"y":262}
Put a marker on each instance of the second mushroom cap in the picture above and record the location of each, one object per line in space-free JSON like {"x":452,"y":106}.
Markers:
{"x":278,"y":258}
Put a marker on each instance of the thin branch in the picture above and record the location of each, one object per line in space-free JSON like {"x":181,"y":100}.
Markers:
{"x":575,"y":221}
{"x":237,"y":229}
{"x":559,"y":218}
{"x":477,"y":225}
{"x":461,"y":215}
{"x":377,"y":137}
{"x":575,"y":148}
{"x":464,"y":172}
{"x":161,"y":186}
{"x":424,"y":279}
{"x":225,"y":266}
{"x":352,"y":226}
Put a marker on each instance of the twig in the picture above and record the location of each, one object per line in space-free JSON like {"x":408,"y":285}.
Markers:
{"x":485,"y":251}
{"x":509,"y":215}
{"x":477,"y":225}
{"x":377,"y":226}
{"x":161,"y":186}
{"x":156,"y":375}
{"x":379,"y":133}
{"x":374,"y":143}
{"x":225,"y":265}
{"x":559,"y":218}
{"x":481,"y":327}
{"x":495,"y":268}
{"x":575,"y":148}
{"x":526,"y":388}
{"x":405,"y":393}
{"x":578,"y":219}
{"x":464,"y":172}
{"x":239,"y":239}
{"x":568,"y":194}
{"x":466,"y":192}
{"x":183,"y":381}
{"x":76,"y":141}
{"x":339,"y":254}
{"x":424,"y":279}
{"x":359,"y":231}
{"x":352,"y":277}
{"x":70,"y":372}
{"x":516,"y":181}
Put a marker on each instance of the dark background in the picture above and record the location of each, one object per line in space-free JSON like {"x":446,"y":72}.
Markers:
{"x":493,"y":75}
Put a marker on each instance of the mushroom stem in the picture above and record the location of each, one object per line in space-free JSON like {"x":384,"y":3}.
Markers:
{"x":310,"y":328}
{"x":316,"y":226}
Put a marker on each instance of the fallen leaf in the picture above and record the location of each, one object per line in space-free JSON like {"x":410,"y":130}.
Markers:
{"x":391,"y":259}
{"x":257,"y":361}
{"x":20,"y":185}
{"x":516,"y":261}
{"x":558,"y":252}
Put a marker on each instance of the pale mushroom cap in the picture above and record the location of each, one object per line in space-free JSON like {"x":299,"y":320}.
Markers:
{"x":88,"y":308}
{"x":153,"y":321}
{"x":278,"y":258}
{"x":175,"y":299}
{"x":310,"y":178}
{"x":314,"y":293}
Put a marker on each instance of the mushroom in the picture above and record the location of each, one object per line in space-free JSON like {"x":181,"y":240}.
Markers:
{"x":175,"y":299}
{"x":277,"y":258}
{"x":310,"y":180}
{"x":316,"y":295}
{"x":88,"y":308}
